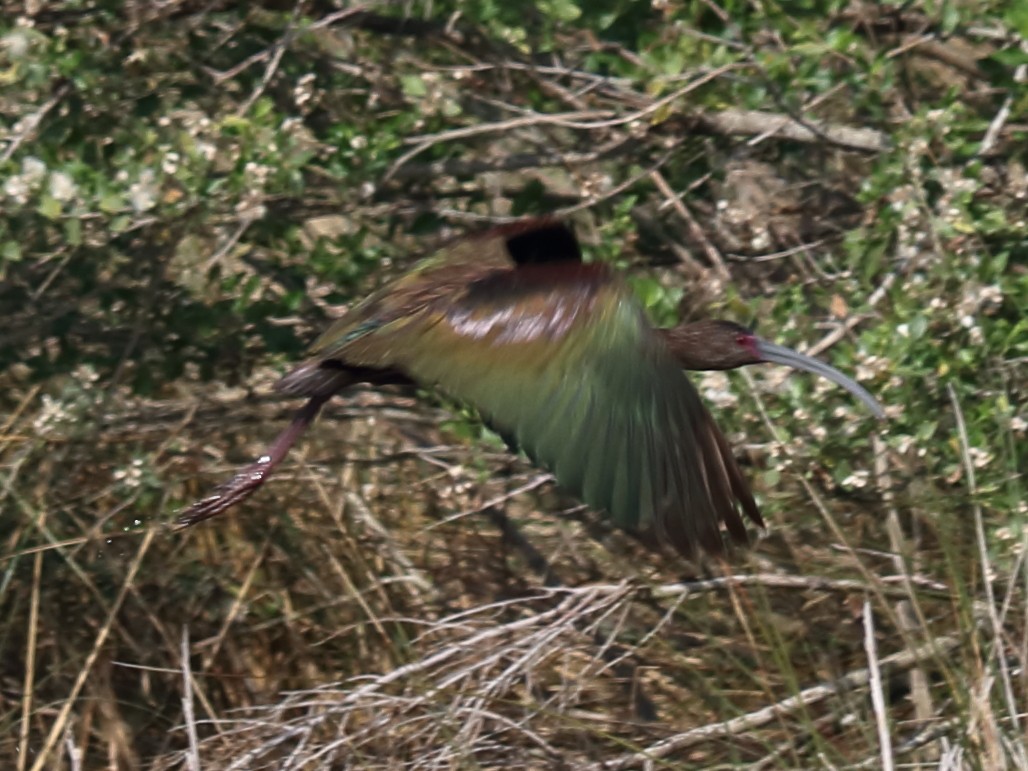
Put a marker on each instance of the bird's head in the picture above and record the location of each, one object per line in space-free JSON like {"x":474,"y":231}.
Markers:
{"x":714,"y":345}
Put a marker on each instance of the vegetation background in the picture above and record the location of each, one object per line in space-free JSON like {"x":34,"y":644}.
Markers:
{"x":192,"y":189}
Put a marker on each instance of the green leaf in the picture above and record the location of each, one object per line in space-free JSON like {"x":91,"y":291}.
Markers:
{"x":1011,"y":57}
{"x":1017,"y":17}
{"x":561,"y":10}
{"x":111,"y":203}
{"x":11,"y":251}
{"x":413,"y":85}
{"x":49,"y":207}
{"x":73,"y":231}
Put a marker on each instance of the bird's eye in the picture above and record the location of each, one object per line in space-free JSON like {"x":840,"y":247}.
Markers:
{"x":742,"y":340}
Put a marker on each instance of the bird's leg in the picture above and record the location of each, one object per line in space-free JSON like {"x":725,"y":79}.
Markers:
{"x":247,"y":480}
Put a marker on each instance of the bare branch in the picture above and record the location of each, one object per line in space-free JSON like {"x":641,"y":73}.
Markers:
{"x":765,"y":715}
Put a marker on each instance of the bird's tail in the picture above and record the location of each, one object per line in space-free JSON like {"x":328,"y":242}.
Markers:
{"x":317,"y":377}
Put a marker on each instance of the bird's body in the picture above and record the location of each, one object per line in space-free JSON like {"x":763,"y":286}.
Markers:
{"x":558,"y":357}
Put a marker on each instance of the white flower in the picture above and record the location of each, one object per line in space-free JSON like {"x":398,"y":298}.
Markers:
{"x":33,"y":169}
{"x":143,"y":193}
{"x":52,"y":413}
{"x":62,"y":186}
{"x":17,"y":188}
{"x":86,"y":374}
{"x":979,"y":457}
{"x":257,"y":173}
{"x":206,"y":149}
{"x":716,"y":389}
{"x":20,"y":186}
{"x":170,"y":163}
{"x":17,"y":43}
{"x":857,"y":479}
{"x":303,"y":91}
{"x":991,"y":297}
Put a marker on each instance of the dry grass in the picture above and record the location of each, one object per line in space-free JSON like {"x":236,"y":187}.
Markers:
{"x":365,"y":611}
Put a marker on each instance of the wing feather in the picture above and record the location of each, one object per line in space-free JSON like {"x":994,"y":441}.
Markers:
{"x":559,"y":359}
{"x":567,"y":364}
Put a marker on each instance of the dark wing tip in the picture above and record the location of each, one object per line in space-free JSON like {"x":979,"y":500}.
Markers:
{"x":537,"y":240}
{"x":719,"y":492}
{"x":309,"y":378}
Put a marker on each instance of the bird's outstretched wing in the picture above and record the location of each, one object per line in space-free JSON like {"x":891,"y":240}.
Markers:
{"x":559,"y":357}
{"x":332,"y":361}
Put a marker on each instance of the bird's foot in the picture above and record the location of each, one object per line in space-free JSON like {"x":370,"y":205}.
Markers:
{"x":228,"y":494}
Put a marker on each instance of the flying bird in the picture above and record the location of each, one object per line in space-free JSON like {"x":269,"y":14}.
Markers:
{"x":558,"y":357}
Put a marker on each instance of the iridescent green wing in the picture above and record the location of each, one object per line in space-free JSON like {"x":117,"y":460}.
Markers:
{"x":443,"y":273}
{"x":446,"y":273}
{"x":560,"y":358}
{"x":449,"y":271}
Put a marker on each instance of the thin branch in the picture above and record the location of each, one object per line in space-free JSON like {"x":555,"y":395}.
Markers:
{"x":458,"y":167}
{"x":28,"y":687}
{"x":193,"y":754}
{"x":27,"y":126}
{"x":694,"y":227}
{"x":852,"y":681}
{"x":756,"y":123}
{"x":996,"y":126}
{"x":877,"y":692}
{"x":427,"y":141}
{"x":280,"y":48}
{"x":988,"y":573}
{"x":840,"y":331}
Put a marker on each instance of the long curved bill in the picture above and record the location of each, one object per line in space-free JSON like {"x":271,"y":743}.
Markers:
{"x":779,"y":354}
